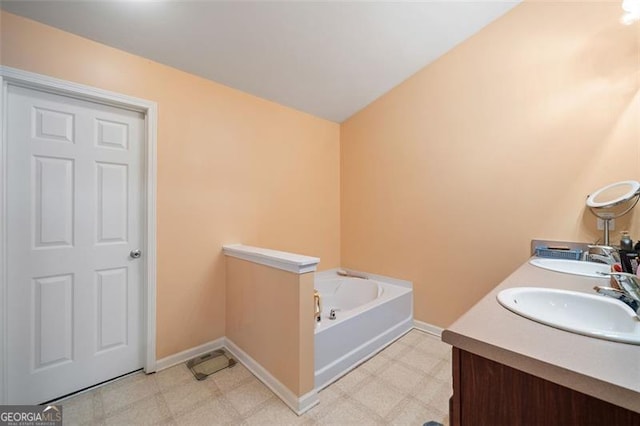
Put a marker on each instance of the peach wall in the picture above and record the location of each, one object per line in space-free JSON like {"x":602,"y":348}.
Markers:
{"x":446,"y":178}
{"x":270,"y":317}
{"x":231,"y":168}
{"x":533,"y":113}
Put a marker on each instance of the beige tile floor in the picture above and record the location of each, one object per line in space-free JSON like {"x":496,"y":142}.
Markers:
{"x":408,"y":383}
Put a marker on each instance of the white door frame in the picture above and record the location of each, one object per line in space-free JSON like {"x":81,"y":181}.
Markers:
{"x":13,"y":76}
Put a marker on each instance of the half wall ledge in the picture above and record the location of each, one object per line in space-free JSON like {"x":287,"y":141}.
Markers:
{"x":296,"y":263}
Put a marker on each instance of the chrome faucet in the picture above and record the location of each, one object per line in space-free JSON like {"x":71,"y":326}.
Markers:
{"x":621,"y":296}
{"x":629,"y":283}
{"x":629,"y":291}
{"x":603,"y":254}
{"x":317,"y":306}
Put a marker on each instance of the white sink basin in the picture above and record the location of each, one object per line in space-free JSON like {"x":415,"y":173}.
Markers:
{"x":588,"y":314}
{"x":575,"y":267}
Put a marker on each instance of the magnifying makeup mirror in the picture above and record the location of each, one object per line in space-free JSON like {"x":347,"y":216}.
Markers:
{"x":613,"y":201}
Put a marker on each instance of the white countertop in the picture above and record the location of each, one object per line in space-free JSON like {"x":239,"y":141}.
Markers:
{"x":606,"y":370}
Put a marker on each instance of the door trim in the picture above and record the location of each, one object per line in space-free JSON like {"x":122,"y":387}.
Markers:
{"x":17,"y":77}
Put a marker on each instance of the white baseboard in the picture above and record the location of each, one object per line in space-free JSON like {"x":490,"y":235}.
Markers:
{"x":299,"y":404}
{"x":184,"y":356}
{"x":428,"y":328}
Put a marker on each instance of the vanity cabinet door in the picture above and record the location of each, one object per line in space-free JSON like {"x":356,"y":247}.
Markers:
{"x":489,"y":393}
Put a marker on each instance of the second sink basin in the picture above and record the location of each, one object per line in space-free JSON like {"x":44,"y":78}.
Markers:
{"x":574,"y":267}
{"x":587,"y":314}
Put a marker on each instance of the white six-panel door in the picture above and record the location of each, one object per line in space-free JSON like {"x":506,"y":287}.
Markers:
{"x":75,"y":206}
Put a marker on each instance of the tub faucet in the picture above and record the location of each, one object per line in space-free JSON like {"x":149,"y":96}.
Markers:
{"x":629,"y":291}
{"x":317,"y":306}
{"x":603,"y":254}
{"x":351,"y":274}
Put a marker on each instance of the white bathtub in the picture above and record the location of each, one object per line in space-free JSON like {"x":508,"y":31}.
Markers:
{"x":370,"y":314}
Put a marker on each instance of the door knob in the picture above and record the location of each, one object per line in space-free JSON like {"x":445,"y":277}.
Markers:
{"x":135,"y":254}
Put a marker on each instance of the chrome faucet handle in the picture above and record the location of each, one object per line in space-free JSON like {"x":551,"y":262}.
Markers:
{"x":600,"y":249}
{"x":599,"y":258}
{"x":604,"y":254}
{"x":629,"y":283}
{"x":621,"y":296}
{"x":632,"y":277}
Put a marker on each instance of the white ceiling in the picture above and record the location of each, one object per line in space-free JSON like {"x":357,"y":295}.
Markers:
{"x":329,"y":59}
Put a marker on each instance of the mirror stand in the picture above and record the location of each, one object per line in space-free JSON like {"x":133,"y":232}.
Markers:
{"x":613,"y":201}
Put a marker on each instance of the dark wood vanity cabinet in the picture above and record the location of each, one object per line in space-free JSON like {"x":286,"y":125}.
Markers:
{"x":489,"y":393}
